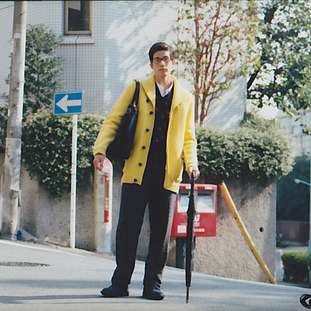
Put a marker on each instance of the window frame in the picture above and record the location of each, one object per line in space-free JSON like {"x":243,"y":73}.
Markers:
{"x":78,"y":32}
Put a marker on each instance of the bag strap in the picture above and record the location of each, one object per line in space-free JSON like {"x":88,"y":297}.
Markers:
{"x":135,"y":98}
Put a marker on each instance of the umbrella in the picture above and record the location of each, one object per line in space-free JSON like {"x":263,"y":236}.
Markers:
{"x":189,"y":238}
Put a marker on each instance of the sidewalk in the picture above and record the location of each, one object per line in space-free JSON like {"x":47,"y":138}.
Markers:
{"x":71,"y":280}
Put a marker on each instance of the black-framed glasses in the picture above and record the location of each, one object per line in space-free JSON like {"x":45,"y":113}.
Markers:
{"x":158,"y":60}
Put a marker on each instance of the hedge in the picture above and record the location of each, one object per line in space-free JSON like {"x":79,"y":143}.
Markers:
{"x":295,"y":266}
{"x":257,"y":150}
{"x":46,"y":149}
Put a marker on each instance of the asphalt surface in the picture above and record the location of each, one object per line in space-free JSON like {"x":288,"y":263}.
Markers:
{"x":68,"y":279}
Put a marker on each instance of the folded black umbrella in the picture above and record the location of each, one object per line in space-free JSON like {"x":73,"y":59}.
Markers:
{"x":189,"y":238}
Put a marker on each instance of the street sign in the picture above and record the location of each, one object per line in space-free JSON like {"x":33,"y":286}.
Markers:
{"x":68,"y":103}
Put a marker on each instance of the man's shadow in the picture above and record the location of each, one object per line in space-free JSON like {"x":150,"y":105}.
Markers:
{"x":55,"y":299}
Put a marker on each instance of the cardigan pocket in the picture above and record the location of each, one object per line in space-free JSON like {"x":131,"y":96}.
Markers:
{"x":178,"y":169}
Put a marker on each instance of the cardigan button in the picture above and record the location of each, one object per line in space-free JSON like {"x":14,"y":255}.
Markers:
{"x":140,"y":164}
{"x":147,"y":100}
{"x":143,"y":147}
{"x":135,"y":180}
{"x":147,"y":130}
{"x":151,"y":112}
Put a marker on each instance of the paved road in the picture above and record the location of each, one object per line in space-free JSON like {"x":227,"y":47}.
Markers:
{"x":71,"y":280}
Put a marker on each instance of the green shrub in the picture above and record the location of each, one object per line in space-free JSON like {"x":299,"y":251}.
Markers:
{"x":46,"y":149}
{"x":256,"y":151}
{"x":295,"y":266}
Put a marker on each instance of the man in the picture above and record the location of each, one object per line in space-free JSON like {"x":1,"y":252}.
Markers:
{"x":164,"y":138}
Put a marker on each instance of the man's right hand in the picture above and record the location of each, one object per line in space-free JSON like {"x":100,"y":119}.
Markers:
{"x":98,"y":161}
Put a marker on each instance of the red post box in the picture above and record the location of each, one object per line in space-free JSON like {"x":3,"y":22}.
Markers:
{"x":206,"y":206}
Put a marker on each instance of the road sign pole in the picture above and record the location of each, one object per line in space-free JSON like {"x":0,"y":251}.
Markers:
{"x":66,"y":104}
{"x":73,"y":181}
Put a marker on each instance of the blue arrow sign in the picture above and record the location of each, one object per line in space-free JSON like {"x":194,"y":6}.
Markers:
{"x":68,"y":103}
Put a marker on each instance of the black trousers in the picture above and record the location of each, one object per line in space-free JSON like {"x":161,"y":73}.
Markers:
{"x":161,"y":203}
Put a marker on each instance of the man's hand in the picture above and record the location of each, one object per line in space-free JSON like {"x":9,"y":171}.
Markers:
{"x":98,"y":161}
{"x":195,"y":171}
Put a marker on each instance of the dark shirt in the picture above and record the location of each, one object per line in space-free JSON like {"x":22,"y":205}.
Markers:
{"x":157,"y":152}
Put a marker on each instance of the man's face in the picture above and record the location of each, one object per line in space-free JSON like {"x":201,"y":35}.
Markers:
{"x":161,"y":63}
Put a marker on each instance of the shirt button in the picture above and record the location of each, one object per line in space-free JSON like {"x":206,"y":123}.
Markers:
{"x":135,"y":180}
{"x":140,"y":164}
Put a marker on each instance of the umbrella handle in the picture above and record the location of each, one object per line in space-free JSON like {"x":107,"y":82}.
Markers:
{"x":192,"y":179}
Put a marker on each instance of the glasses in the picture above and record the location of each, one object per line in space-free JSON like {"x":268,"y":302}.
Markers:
{"x":158,"y":60}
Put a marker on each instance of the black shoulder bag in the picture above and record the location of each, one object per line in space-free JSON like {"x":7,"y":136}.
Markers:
{"x":120,"y":148}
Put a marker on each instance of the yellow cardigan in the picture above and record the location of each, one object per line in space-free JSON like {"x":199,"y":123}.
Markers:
{"x":181,"y":142}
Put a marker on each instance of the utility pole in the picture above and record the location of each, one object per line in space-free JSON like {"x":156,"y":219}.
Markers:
{"x":12,"y":162}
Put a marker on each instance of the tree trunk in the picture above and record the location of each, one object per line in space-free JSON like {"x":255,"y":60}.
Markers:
{"x":269,"y":15}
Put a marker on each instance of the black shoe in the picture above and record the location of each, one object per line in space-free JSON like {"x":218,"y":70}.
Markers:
{"x":153,"y":293}
{"x":114,"y":291}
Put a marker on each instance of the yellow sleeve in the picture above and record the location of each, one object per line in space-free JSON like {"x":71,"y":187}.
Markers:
{"x":111,"y":123}
{"x":190,"y":142}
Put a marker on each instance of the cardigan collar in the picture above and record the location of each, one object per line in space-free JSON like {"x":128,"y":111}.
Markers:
{"x":149,"y":87}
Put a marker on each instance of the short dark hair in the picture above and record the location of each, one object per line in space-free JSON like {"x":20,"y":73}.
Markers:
{"x":160,"y":46}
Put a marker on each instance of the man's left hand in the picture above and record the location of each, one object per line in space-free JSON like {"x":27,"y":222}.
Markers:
{"x":195,"y":171}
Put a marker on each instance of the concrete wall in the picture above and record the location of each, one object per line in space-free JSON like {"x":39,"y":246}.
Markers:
{"x":227,"y":254}
{"x":48,"y":219}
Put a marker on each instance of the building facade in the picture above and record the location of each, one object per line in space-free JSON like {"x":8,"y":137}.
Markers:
{"x":104,"y":45}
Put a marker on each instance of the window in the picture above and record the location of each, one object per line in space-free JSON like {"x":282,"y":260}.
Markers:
{"x":77,"y":17}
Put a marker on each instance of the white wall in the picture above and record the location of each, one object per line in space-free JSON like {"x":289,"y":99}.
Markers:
{"x":123,"y":32}
{"x":228,"y":111}
{"x":116,"y":52}
{"x":301,"y":143}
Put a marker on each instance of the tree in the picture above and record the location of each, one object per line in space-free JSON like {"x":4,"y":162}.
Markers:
{"x":283,"y":74}
{"x":42,"y":68}
{"x":215,"y":45}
